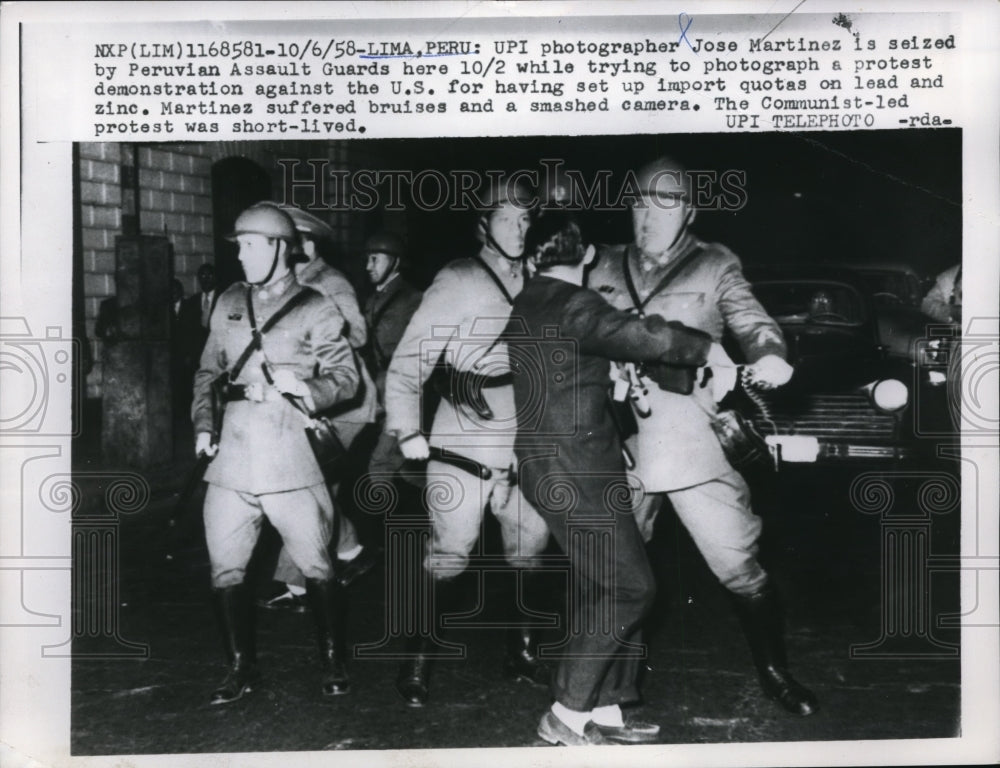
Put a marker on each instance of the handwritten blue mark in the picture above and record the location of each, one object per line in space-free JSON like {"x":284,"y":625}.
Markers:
{"x":684,"y":29}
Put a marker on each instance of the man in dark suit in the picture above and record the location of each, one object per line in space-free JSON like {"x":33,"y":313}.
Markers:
{"x":561,"y":339}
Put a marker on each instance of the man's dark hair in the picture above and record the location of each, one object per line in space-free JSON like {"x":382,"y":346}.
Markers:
{"x":555,"y":238}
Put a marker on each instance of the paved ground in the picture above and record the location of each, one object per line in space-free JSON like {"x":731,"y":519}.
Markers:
{"x":826,"y":556}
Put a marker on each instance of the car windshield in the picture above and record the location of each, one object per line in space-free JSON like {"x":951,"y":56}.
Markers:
{"x":888,"y":285}
{"x":811,"y":301}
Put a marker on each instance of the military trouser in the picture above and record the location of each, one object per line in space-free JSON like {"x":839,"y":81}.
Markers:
{"x":232,"y":526}
{"x":725,"y":529}
{"x":456,"y":500}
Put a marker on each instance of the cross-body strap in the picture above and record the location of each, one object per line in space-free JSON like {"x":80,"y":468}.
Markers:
{"x":496,"y":278}
{"x":671,"y":273}
{"x":255,"y":342}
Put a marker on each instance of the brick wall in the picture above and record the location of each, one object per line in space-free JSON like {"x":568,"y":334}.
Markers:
{"x":175,"y":199}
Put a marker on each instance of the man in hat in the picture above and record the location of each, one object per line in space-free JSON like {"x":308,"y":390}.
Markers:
{"x":263,"y":465}
{"x":387,"y":311}
{"x":471,"y":444}
{"x":668,"y":271}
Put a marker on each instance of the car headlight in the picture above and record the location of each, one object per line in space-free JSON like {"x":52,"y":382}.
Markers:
{"x":889,"y":395}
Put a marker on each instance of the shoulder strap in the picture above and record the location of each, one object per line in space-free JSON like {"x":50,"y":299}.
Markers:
{"x":255,"y":342}
{"x":496,"y":279}
{"x":670,"y":274}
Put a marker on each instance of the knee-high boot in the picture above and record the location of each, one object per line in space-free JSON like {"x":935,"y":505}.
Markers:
{"x":413,"y":680}
{"x":521,"y":661}
{"x":761,"y":619}
{"x":235,"y":612}
{"x":329,"y":609}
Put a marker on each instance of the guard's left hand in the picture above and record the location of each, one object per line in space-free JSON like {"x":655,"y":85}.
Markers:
{"x":286,"y":381}
{"x":770,"y":372}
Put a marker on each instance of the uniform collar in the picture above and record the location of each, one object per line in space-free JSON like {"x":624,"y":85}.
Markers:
{"x":390,"y":281}
{"x":275,"y":290}
{"x":507,"y":269}
{"x":646,"y":264}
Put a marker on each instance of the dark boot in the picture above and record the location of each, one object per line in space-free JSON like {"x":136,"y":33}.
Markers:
{"x":760,"y":617}
{"x":521,"y":661}
{"x":235,"y":611}
{"x":329,"y":609}
{"x":413,"y":679}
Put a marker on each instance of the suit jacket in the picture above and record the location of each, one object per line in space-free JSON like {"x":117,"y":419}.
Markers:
{"x":676,"y":447}
{"x":263,"y":447}
{"x":561,"y":339}
{"x":459,"y":320}
{"x":387,"y":313}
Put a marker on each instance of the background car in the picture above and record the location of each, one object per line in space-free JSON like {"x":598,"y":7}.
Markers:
{"x":849,"y":397}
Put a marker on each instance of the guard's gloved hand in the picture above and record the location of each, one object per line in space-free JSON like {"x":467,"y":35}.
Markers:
{"x":769,"y":372}
{"x":672,"y":378}
{"x":286,"y":381}
{"x":415,"y":448}
{"x":203,"y":445}
{"x":719,"y":373}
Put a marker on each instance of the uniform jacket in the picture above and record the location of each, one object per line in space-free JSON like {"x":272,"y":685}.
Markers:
{"x":387,"y":313}
{"x":676,"y":447}
{"x":942,"y":299}
{"x":334,"y":285}
{"x":323,"y":278}
{"x":263,"y":448}
{"x":561,"y":338}
{"x":460,"y":317}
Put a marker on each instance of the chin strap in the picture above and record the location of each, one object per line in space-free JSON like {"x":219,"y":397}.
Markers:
{"x":492,"y":243}
{"x":274,"y":265}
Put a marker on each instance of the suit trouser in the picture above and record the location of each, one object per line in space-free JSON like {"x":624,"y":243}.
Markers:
{"x":347,"y":535}
{"x":232,"y":526}
{"x":613,"y":589}
{"x":725,"y":529}
{"x":456,"y":500}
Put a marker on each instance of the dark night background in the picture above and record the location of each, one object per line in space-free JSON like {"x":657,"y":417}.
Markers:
{"x":847,"y":196}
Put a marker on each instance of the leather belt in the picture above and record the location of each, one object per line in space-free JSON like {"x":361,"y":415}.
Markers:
{"x":255,"y":392}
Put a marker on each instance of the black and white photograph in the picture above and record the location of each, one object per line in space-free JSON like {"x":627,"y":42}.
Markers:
{"x":641,"y":444}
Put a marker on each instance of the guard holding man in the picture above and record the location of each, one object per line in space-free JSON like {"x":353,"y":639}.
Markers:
{"x":668,"y":271}
{"x":263,"y":464}
{"x":561,"y":338}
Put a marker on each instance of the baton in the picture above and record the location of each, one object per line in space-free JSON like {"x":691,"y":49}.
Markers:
{"x":182,"y":501}
{"x":462,"y":462}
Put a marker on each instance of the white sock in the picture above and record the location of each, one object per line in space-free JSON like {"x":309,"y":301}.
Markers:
{"x":609,"y":715}
{"x":295,"y":589}
{"x":350,"y":554}
{"x":576,"y":721}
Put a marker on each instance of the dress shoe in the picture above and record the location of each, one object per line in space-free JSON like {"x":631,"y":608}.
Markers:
{"x":284,"y":600}
{"x":349,"y":571}
{"x":633,"y":732}
{"x":555,"y":731}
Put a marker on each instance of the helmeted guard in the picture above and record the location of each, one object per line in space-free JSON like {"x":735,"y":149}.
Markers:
{"x":455,"y":331}
{"x":275,"y":353}
{"x":669,"y":271}
{"x":350,"y":418}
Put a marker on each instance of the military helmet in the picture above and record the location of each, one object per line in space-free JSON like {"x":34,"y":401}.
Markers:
{"x":385,"y":242}
{"x":504,"y":190}
{"x":306,"y":224}
{"x":664,"y":178}
{"x":264,"y":219}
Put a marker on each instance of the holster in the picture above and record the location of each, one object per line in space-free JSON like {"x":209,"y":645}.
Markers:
{"x":465,"y":389}
{"x":219,"y":395}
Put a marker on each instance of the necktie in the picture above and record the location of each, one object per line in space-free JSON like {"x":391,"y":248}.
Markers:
{"x":206,"y":309}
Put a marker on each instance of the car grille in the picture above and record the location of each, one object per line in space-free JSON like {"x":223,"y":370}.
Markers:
{"x":837,"y":418}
